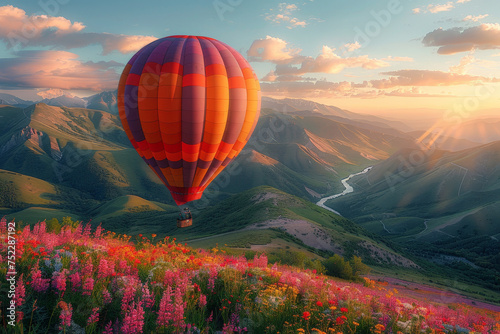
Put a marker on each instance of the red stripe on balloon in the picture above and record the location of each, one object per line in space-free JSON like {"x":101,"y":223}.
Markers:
{"x":190,"y":149}
{"x":172,"y":67}
{"x":193,"y":79}
{"x":133,"y":79}
{"x":236,"y":82}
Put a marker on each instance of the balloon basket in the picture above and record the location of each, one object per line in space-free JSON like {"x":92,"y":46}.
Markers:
{"x":181,"y":223}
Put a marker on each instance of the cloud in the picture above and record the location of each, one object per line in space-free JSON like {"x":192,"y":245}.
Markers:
{"x":464,"y":63}
{"x":328,"y":89}
{"x":272,"y":77}
{"x":441,"y":8}
{"x":438,"y":8}
{"x":57,"y":70}
{"x":328,"y":62}
{"x":272,"y":49}
{"x":51,"y":93}
{"x":427,"y":78}
{"x":455,"y":40}
{"x":19,"y":30}
{"x":475,"y":18}
{"x":412,"y":92}
{"x":391,"y":58}
{"x":352,"y":46}
{"x":320,"y":88}
{"x":285,"y":16}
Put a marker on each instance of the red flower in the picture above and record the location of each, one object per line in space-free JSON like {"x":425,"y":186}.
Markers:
{"x":306,"y":315}
{"x":320,"y":304}
{"x":344,"y":310}
{"x":340,"y":321}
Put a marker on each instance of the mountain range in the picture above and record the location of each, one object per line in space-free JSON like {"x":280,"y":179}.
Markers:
{"x":58,"y":160}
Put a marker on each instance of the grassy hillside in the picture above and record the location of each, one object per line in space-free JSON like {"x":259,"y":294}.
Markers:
{"x":76,"y":279}
{"x":444,"y":209}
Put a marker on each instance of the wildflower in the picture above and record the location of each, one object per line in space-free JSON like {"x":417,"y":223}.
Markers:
{"x":380,"y":327}
{"x":107,"y":329}
{"x":306,"y":315}
{"x":88,"y":286}
{"x":106,"y":297}
{"x":344,"y":310}
{"x":59,"y":280}
{"x":20,"y":291}
{"x":65,"y":316}
{"x":38,"y":283}
{"x":147,"y":296}
{"x":203,"y":301}
{"x":340,"y":321}
{"x":134,"y":320}
{"x":319,"y":304}
{"x":94,"y":317}
{"x":165,"y":313}
{"x":105,"y":269}
{"x":76,"y":281}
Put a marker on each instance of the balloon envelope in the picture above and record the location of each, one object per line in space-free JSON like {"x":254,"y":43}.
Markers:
{"x":188,"y":104}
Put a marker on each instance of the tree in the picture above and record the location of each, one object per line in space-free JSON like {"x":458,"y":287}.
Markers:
{"x":358,"y":267}
{"x":338,"y":267}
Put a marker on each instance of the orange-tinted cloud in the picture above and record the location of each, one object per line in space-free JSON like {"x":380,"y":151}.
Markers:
{"x":20,"y":30}
{"x":427,"y":78}
{"x":58,"y":70}
{"x":455,"y":40}
{"x":274,"y":50}
{"x":285,"y":16}
{"x":51,"y":93}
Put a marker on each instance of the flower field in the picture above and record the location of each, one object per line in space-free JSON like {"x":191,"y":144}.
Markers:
{"x":98,"y":282}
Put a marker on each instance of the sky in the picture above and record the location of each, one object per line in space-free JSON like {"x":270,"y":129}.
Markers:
{"x":387,"y":57}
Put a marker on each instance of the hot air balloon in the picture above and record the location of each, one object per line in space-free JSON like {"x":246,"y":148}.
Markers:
{"x":188,"y":105}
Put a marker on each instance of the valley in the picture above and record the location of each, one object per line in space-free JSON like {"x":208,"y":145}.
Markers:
{"x":406,"y":211}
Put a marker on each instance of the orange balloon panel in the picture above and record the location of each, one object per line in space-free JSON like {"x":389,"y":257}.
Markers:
{"x":188,"y":105}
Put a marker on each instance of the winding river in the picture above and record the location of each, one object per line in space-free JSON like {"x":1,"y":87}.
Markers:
{"x":348,"y":189}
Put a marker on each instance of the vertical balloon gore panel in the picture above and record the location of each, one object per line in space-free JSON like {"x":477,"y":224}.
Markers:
{"x":188,"y":105}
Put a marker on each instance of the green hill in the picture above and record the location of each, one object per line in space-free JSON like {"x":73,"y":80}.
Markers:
{"x":444,"y":208}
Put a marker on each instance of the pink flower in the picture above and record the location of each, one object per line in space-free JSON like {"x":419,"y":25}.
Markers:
{"x":38,"y":283}
{"x":20,"y":291}
{"x":105,"y":269}
{"x":165,"y":313}
{"x":106,"y":297}
{"x":108,"y":329}
{"x":147,"y":296}
{"x":88,"y":286}
{"x":59,"y":280}
{"x":76,"y":281}
{"x":65,"y":316}
{"x":212,"y":278}
{"x":179,"y":307}
{"x":134,"y":320}
{"x":203,"y":301}
{"x":94,"y":317}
